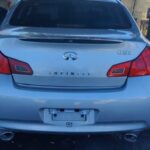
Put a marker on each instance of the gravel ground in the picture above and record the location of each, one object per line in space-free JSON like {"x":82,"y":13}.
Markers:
{"x":78,"y":142}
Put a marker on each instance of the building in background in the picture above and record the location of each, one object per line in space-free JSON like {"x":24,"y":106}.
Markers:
{"x":129,"y":4}
{"x":138,"y":8}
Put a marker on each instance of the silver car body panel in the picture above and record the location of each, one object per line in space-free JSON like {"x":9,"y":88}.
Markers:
{"x":124,"y":109}
{"x":88,"y":71}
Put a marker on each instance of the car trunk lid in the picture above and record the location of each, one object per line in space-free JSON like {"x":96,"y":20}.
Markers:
{"x":74,"y":61}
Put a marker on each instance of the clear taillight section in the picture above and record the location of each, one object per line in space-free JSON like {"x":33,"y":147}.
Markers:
{"x":119,"y":70}
{"x":13,"y":66}
{"x":19,"y":67}
{"x":138,"y":67}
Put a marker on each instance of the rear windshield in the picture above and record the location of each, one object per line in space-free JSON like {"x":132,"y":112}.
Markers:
{"x":71,"y":14}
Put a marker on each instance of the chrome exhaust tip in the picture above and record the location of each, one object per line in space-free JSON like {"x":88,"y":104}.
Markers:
{"x":131,"y":137}
{"x":6,"y":136}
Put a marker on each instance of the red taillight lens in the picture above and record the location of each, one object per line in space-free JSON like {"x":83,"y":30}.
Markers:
{"x":138,"y":67}
{"x":4,"y":65}
{"x":12,"y":66}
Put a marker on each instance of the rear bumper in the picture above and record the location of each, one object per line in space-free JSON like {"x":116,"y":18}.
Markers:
{"x":119,"y":110}
{"x":99,"y":128}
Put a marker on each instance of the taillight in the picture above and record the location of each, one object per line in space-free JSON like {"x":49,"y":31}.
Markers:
{"x":138,"y":67}
{"x":120,"y":70}
{"x":4,"y":65}
{"x":13,"y":66}
{"x":19,"y":67}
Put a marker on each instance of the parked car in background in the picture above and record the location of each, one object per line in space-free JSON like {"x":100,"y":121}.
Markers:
{"x":73,"y":66}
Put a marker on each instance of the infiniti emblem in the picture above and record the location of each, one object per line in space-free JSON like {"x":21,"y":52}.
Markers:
{"x":70,"y":56}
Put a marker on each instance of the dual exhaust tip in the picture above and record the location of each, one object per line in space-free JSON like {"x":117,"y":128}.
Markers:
{"x":130,"y":137}
{"x":7,"y":136}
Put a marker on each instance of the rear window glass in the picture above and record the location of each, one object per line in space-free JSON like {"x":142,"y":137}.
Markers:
{"x":71,"y":14}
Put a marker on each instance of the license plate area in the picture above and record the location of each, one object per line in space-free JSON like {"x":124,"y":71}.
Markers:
{"x":69,"y":117}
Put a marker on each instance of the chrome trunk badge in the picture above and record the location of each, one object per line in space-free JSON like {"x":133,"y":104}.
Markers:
{"x":70,"y":56}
